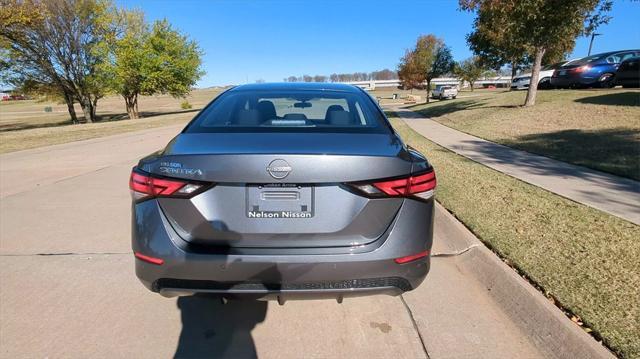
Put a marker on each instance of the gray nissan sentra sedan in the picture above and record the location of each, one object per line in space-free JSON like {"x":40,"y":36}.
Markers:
{"x":284,"y":191}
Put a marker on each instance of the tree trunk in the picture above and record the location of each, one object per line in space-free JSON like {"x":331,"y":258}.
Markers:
{"x":535,"y":76}
{"x":428,"y":89}
{"x":87,"y":110}
{"x":68,"y":99}
{"x":131,"y":104}
{"x":94,"y":106}
{"x":514,"y":71}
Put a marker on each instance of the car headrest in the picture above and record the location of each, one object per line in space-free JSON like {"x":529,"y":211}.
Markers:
{"x":248,"y":118}
{"x":267,"y":110}
{"x":340,"y":118}
{"x":332,"y":108}
{"x":295,"y":116}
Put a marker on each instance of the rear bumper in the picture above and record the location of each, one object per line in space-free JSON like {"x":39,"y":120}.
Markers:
{"x":285,"y":291}
{"x":284,"y":273}
{"x":574,"y":81}
{"x":444,"y":95}
{"x":520,"y":86}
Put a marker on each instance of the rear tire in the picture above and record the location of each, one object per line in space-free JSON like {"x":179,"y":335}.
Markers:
{"x":544,"y":83}
{"x":606,"y":80}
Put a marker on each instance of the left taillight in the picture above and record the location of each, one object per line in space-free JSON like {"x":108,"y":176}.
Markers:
{"x":146,"y":186}
{"x":583,"y":68}
{"x":420,"y":185}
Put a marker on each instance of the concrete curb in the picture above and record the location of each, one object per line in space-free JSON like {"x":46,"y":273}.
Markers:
{"x":546,"y":326}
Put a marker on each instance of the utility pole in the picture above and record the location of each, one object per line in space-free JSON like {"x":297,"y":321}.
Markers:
{"x":591,"y":42}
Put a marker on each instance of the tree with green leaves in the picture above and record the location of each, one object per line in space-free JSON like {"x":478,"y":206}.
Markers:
{"x":430,"y":59}
{"x":470,"y":70}
{"x":128,"y":55}
{"x":533,"y":29}
{"x":53,"y":45}
{"x":495,"y":48}
{"x":149,"y":61}
{"x":433,"y":58}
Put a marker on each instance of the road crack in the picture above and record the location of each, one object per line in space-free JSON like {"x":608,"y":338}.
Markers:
{"x":415,"y":326}
{"x":454,"y":254}
{"x":63,"y":254}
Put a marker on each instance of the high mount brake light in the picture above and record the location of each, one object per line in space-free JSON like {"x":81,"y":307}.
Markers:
{"x":420,"y":185}
{"x":145,"y":186}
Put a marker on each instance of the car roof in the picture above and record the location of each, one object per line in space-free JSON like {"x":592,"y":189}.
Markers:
{"x":611,"y":53}
{"x":597,"y":57}
{"x":289,"y":86}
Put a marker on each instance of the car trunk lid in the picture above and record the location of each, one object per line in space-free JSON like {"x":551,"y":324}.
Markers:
{"x":281,"y":189}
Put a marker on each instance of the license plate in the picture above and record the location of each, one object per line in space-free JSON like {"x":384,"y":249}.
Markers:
{"x":279,"y":201}
{"x":562,"y":72}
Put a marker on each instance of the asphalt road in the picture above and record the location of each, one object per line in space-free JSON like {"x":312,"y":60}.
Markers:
{"x":68,"y":288}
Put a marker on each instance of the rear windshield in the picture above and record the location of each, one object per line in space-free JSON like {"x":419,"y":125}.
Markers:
{"x":586,"y":60}
{"x":290,"y":111}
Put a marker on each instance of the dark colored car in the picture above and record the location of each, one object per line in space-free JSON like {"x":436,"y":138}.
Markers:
{"x":283,"y":191}
{"x":591,"y":71}
{"x":628,"y":74}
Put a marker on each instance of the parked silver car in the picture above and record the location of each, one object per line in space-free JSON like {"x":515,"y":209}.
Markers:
{"x":283,"y":191}
{"x":522,"y":81}
{"x":444,"y":92}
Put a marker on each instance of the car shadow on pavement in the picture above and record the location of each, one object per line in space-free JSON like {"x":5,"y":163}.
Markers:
{"x":213,"y":329}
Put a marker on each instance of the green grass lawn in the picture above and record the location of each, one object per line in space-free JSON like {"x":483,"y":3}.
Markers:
{"x":25,"y":124}
{"x":24,"y":139}
{"x":587,"y":260}
{"x":599,"y":129}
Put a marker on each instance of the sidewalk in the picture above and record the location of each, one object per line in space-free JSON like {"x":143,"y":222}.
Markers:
{"x":612,"y":194}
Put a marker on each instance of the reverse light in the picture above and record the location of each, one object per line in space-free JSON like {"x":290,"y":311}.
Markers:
{"x":144,"y":186}
{"x":411,"y":258}
{"x":420,"y":185}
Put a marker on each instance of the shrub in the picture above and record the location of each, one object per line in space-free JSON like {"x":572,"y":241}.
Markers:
{"x":185,"y":105}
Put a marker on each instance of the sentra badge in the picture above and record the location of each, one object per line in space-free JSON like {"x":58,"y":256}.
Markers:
{"x":175,"y":168}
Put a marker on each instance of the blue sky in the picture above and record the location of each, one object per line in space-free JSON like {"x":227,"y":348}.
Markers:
{"x":270,"y":40}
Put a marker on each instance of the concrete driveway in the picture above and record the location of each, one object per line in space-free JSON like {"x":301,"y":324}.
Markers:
{"x":68,"y":288}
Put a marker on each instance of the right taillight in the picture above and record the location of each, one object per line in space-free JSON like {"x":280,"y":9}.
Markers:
{"x":145,"y":186}
{"x":420,"y":185}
